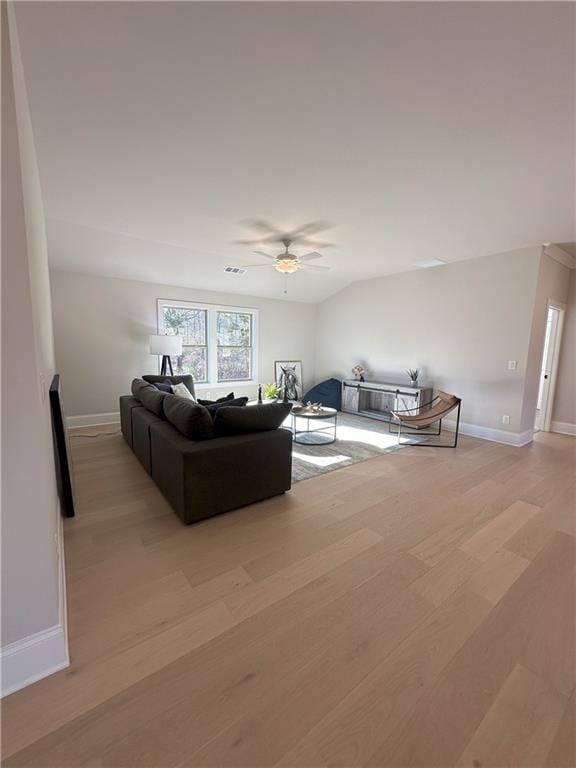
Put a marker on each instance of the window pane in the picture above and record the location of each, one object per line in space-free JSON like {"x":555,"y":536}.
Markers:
{"x":234,"y":329}
{"x":188,"y":323}
{"x":234,"y":363}
{"x":192,"y":360}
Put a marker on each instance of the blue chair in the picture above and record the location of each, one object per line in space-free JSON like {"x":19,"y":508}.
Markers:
{"x":327,"y":393}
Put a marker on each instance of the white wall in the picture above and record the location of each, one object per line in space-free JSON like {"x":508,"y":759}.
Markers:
{"x":564,"y":412}
{"x":33,"y":632}
{"x":102,"y":326}
{"x":460,"y":323}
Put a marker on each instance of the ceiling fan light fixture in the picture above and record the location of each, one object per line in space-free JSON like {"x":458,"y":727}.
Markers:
{"x":286,"y":267}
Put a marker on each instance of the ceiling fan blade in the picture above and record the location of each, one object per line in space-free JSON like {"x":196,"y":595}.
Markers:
{"x":251,"y":266}
{"x":267,"y":255}
{"x":315,"y":267}
{"x":262,"y":225}
{"x":308,"y":229}
{"x":304,"y":241}
{"x":259,"y":240}
{"x":311,"y":256}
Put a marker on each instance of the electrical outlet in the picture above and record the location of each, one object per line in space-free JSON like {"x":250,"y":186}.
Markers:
{"x":512,"y":365}
{"x":505,"y":419}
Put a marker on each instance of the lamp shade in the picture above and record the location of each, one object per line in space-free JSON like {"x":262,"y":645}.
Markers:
{"x":166,"y":345}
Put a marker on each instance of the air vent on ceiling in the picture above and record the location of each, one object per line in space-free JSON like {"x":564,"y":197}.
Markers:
{"x":234,"y":271}
{"x":427,"y":263}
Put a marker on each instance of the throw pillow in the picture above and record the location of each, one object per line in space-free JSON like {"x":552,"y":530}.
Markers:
{"x":163,"y":386}
{"x":190,"y":419}
{"x":165,"y":379}
{"x":229,"y":396}
{"x":215,"y":407}
{"x":182,"y":391}
{"x":256,"y":418}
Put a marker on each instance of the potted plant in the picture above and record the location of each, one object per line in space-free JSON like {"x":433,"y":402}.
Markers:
{"x":413,"y":374}
{"x":358,"y":372}
{"x":271,"y":391}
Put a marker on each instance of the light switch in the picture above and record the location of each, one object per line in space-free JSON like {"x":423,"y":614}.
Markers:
{"x":512,"y":365}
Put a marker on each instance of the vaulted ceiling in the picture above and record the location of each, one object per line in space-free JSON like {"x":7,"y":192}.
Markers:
{"x":418,"y":130}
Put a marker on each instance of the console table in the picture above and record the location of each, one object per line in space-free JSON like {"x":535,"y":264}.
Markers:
{"x":378,"y":398}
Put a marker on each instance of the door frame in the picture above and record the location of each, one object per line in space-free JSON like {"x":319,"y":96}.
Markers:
{"x":546,"y":421}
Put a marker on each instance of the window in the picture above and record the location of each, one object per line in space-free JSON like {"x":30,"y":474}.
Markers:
{"x":191,"y":324}
{"x":234,"y":340}
{"x":218,"y":343}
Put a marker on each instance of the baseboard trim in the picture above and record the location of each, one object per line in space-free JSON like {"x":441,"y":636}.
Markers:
{"x":517,"y":439}
{"x":563,"y":427}
{"x":93,"y":419}
{"x":32,"y":658}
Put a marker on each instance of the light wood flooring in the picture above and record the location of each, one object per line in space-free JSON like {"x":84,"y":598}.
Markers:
{"x":416,"y":609}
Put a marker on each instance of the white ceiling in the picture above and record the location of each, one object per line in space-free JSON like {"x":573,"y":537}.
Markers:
{"x":419,"y":130}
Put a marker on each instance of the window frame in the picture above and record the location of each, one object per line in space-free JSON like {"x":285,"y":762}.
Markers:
{"x":235,"y":346}
{"x":212,"y":338}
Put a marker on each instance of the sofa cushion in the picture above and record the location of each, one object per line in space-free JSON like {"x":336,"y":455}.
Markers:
{"x":256,"y":418}
{"x":188,"y":417}
{"x":137,"y":386}
{"x":142,"y":418}
{"x":152,"y":399}
{"x":127,"y":405}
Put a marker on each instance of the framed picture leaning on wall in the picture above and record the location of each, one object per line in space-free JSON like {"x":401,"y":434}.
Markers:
{"x":288,"y":376}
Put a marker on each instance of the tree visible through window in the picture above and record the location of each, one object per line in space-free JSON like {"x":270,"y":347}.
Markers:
{"x":234,"y":339}
{"x":191,"y":325}
{"x":217,"y":342}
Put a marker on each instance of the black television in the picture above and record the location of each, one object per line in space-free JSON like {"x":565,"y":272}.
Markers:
{"x":61,"y":450}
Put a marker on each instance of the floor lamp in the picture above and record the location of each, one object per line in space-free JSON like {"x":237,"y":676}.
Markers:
{"x":168,"y":347}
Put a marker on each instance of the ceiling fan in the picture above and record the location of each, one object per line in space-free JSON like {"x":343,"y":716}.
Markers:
{"x":286,"y":262}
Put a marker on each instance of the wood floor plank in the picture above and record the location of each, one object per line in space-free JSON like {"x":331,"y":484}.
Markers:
{"x":263,"y":734}
{"x":519,"y":727}
{"x":275,"y":667}
{"x":57,"y":704}
{"x":256,"y":597}
{"x":562,"y":753}
{"x":446,"y":719}
{"x":393,"y":613}
{"x":445,"y":578}
{"x":351,"y":733}
{"x":489,"y":539}
{"x":242,"y":661}
{"x":532,"y":536}
{"x":496,"y":575}
{"x":286,"y":553}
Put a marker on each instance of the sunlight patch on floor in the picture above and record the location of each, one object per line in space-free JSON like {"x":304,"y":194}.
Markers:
{"x":375,"y":438}
{"x":320,"y":461}
{"x":368,"y":437}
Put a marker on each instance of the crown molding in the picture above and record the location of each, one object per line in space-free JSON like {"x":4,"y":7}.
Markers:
{"x":560,"y":255}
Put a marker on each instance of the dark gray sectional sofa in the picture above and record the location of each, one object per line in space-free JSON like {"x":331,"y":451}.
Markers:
{"x":202,"y":478}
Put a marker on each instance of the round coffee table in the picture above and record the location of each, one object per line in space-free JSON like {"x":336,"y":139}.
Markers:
{"x":323,"y":435}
